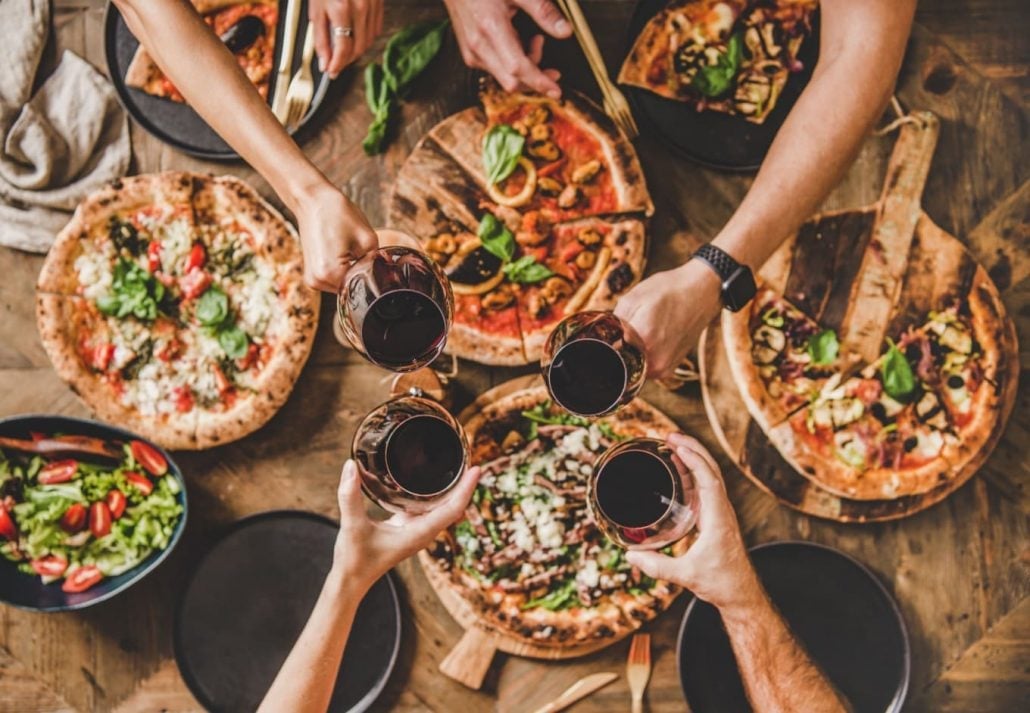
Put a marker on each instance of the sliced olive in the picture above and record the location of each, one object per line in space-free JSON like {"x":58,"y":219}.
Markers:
{"x":478,"y":266}
{"x":910,"y":443}
{"x":243,"y":34}
{"x":955,"y":382}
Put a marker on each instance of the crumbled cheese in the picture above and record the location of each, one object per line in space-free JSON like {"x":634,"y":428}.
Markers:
{"x":176,"y":243}
{"x":589,"y":575}
{"x":93,"y":269}
{"x":468,"y":542}
{"x":257,"y":302}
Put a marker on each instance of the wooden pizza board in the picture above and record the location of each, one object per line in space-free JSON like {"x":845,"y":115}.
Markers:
{"x":868,"y":273}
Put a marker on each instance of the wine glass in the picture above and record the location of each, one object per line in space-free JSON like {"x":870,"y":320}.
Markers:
{"x":593,"y":363}
{"x":410,"y":452}
{"x":641,"y":495}
{"x":396,"y":308}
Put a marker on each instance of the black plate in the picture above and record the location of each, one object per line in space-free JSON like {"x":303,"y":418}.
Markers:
{"x":248,"y":600}
{"x":713,"y":138}
{"x":28,"y":591}
{"x":177,"y":124}
{"x":840,"y":611}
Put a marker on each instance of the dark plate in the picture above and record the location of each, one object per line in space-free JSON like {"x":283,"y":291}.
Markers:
{"x":713,"y":138}
{"x":177,"y":124}
{"x":249,"y":598}
{"x":28,"y":591}
{"x":840,"y":611}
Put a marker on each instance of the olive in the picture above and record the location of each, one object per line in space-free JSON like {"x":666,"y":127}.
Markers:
{"x":910,"y":443}
{"x":913,"y":353}
{"x":243,"y":34}
{"x":955,"y":382}
{"x":475,"y":268}
{"x":879,"y":412}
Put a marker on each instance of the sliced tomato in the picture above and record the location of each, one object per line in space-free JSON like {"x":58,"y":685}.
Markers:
{"x":81,"y":578}
{"x":99,"y":519}
{"x":196,"y":257}
{"x":50,"y":566}
{"x":8,"y":529}
{"x":869,"y":391}
{"x":223,"y":381}
{"x":194,"y":282}
{"x":249,"y":359}
{"x":569,"y":253}
{"x":115,"y":500}
{"x":141,"y":482}
{"x":74,"y":518}
{"x":183,"y":398}
{"x":551,"y":168}
{"x":149,"y":457}
{"x":101,"y":355}
{"x":36,"y":435}
{"x":58,"y":471}
{"x":153,"y":256}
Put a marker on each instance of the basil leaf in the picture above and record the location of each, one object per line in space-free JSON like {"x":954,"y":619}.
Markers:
{"x":502,"y":148}
{"x":134,"y":292}
{"x":898,"y":379}
{"x":526,"y":270}
{"x":234,"y":342}
{"x":410,"y":51}
{"x":212,"y":307}
{"x":714,"y":80}
{"x":496,"y":237}
{"x":823,"y":347}
{"x":108,"y":304}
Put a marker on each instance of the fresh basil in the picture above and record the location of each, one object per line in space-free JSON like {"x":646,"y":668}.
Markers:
{"x":496,"y":237}
{"x":526,"y":270}
{"x":234,"y":342}
{"x":502,"y":148}
{"x":134,"y":292}
{"x":381,"y":102}
{"x":899,"y":381}
{"x":212,"y":307}
{"x":823,"y":347}
{"x":714,"y":80}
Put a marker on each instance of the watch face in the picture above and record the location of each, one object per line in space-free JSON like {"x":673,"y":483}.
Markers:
{"x":738,"y":290}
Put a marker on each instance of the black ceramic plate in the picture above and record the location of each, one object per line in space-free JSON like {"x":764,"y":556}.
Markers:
{"x":839,"y":610}
{"x":248,"y":600}
{"x":713,"y":138}
{"x":177,"y":124}
{"x":28,"y":591}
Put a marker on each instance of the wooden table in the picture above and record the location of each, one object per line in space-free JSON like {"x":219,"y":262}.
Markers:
{"x":960,"y":570}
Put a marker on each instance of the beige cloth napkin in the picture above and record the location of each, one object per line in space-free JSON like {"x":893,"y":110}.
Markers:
{"x":60,"y":143}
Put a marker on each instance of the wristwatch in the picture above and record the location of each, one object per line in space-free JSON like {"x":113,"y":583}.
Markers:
{"x":738,"y":284}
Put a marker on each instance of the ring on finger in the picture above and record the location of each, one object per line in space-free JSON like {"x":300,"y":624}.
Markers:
{"x":341,"y":31}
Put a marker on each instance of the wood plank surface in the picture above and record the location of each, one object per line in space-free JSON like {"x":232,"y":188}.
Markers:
{"x":961,"y":570}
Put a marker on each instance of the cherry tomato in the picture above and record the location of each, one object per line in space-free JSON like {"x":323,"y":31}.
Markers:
{"x":194,"y":282}
{"x":81,"y":578}
{"x":149,"y":457}
{"x":142,"y":482}
{"x":196,"y":257}
{"x":101,"y":356}
{"x":99,"y":519}
{"x":248,"y":360}
{"x":7,"y":526}
{"x":869,"y":391}
{"x":153,"y":256}
{"x":74,"y":518}
{"x":223,"y":381}
{"x":58,"y":471}
{"x":183,"y":398}
{"x":36,"y":435}
{"x":115,"y":502}
{"x":50,"y":566}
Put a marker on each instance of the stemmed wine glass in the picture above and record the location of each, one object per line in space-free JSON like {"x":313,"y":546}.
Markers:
{"x":593,"y":363}
{"x":396,"y":308}
{"x":410,"y":452}
{"x":641,"y":495}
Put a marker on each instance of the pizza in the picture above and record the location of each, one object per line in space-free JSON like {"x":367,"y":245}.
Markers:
{"x":528,"y":557}
{"x":246,"y":27}
{"x":732,"y":56}
{"x":173,"y":304}
{"x":562,"y":230}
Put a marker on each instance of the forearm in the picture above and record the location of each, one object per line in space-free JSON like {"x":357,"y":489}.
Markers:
{"x":778,"y":674}
{"x":305,"y":682}
{"x":211,"y":80}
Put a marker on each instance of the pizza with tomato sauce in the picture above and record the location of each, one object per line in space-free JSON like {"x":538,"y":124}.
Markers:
{"x":173,"y":304}
{"x":534,"y":208}
{"x":246,"y":27}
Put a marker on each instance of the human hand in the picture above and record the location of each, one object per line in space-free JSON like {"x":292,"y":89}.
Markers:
{"x":668,"y":311}
{"x":367,"y":549}
{"x":336,"y":51}
{"x":488,"y":41}
{"x":715,"y":567}
{"x":333,"y":233}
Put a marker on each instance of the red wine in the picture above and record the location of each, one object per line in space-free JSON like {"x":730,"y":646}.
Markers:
{"x":401,"y":327}
{"x":424,"y":455}
{"x":587,"y":376}
{"x":635,"y":489}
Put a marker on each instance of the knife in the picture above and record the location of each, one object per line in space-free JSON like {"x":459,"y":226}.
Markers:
{"x":578,"y":690}
{"x":282,"y":78}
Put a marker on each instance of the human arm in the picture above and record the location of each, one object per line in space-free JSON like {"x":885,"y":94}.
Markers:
{"x":365,"y":550}
{"x":861,"y":47}
{"x":778,"y":675}
{"x":333,"y":230}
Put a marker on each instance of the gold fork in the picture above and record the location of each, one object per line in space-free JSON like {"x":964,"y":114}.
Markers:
{"x":302,"y":86}
{"x":638,"y":669}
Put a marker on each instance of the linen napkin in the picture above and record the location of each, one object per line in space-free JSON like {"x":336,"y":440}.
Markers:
{"x":60,"y":143}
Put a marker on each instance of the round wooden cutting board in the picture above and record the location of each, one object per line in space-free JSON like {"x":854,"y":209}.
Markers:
{"x":867,"y":273}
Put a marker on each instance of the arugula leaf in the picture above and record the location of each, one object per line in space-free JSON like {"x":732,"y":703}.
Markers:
{"x":496,"y":237}
{"x":714,"y":80}
{"x":502,"y":148}
{"x":234,"y":342}
{"x":494,"y":535}
{"x":212,"y":307}
{"x":134,"y":292}
{"x":561,"y":598}
{"x":541,"y":413}
{"x":526,"y":270}
{"x":823,"y":347}
{"x":898,"y":379}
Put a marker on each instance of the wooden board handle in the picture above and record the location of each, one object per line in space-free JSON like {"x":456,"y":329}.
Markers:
{"x":469,"y":660}
{"x":909,"y":164}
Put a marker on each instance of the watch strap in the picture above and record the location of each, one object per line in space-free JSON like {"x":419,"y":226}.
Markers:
{"x":718,"y":260}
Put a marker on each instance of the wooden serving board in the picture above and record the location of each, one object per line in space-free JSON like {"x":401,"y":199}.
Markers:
{"x":868,"y":273}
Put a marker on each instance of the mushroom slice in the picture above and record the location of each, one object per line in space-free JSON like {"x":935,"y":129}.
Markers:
{"x":771,"y":337}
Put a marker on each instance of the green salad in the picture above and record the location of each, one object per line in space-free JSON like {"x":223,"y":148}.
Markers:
{"x":80,"y":522}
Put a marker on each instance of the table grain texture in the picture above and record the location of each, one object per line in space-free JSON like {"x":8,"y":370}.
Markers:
{"x":960,"y":570}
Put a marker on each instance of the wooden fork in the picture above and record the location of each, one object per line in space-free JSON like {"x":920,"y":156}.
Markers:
{"x":638,"y":669}
{"x":302,"y":86}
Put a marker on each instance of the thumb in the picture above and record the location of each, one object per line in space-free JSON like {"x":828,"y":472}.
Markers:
{"x":351,"y":499}
{"x":654,"y":564}
{"x":545,"y":14}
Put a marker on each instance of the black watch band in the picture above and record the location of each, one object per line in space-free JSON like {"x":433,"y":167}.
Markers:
{"x":737,"y":282}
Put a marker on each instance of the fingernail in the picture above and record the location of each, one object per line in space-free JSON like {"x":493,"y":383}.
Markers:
{"x":554,"y":93}
{"x":321,"y":64}
{"x":350,"y":468}
{"x":562,"y":25}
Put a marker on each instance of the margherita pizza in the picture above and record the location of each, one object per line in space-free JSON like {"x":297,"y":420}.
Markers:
{"x":174,"y":305}
{"x":528,"y":557}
